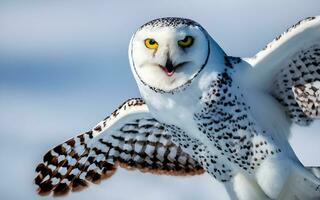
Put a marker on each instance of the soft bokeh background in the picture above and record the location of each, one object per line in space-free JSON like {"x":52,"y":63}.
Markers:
{"x":64,"y":67}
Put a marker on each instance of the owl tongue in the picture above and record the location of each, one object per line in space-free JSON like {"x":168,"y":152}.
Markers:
{"x":169,"y":71}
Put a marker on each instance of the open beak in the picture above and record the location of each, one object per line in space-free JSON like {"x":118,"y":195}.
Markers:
{"x":169,"y":68}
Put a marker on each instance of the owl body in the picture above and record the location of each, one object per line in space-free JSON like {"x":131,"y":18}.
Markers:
{"x":213,"y":114}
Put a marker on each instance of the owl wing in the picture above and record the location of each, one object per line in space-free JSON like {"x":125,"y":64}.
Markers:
{"x":289,"y":69}
{"x":130,"y":138}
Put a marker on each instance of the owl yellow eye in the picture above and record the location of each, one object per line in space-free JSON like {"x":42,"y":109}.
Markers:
{"x":186,"y":42}
{"x":151,"y":43}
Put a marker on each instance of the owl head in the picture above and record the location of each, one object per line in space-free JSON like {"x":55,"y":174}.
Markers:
{"x":167,"y":53}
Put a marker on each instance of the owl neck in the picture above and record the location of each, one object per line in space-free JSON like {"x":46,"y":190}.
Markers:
{"x":180,"y":106}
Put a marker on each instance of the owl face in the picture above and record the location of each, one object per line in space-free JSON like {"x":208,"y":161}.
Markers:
{"x":167,"y":53}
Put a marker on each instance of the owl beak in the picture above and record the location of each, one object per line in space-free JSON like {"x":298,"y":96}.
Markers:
{"x":168,"y":68}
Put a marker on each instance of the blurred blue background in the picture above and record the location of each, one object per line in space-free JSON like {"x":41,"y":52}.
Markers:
{"x":64,"y":67}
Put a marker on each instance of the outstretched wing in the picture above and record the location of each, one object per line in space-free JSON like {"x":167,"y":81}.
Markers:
{"x":289,"y":68}
{"x":130,"y":137}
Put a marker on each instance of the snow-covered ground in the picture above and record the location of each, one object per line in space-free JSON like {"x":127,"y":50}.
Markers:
{"x":64,"y":67}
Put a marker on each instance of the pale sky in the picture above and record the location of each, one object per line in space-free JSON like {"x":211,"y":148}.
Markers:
{"x":64,"y":67}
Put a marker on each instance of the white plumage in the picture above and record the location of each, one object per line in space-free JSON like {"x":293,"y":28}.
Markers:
{"x":203,"y":110}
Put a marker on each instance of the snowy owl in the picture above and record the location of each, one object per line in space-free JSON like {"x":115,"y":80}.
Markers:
{"x":204,"y":111}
